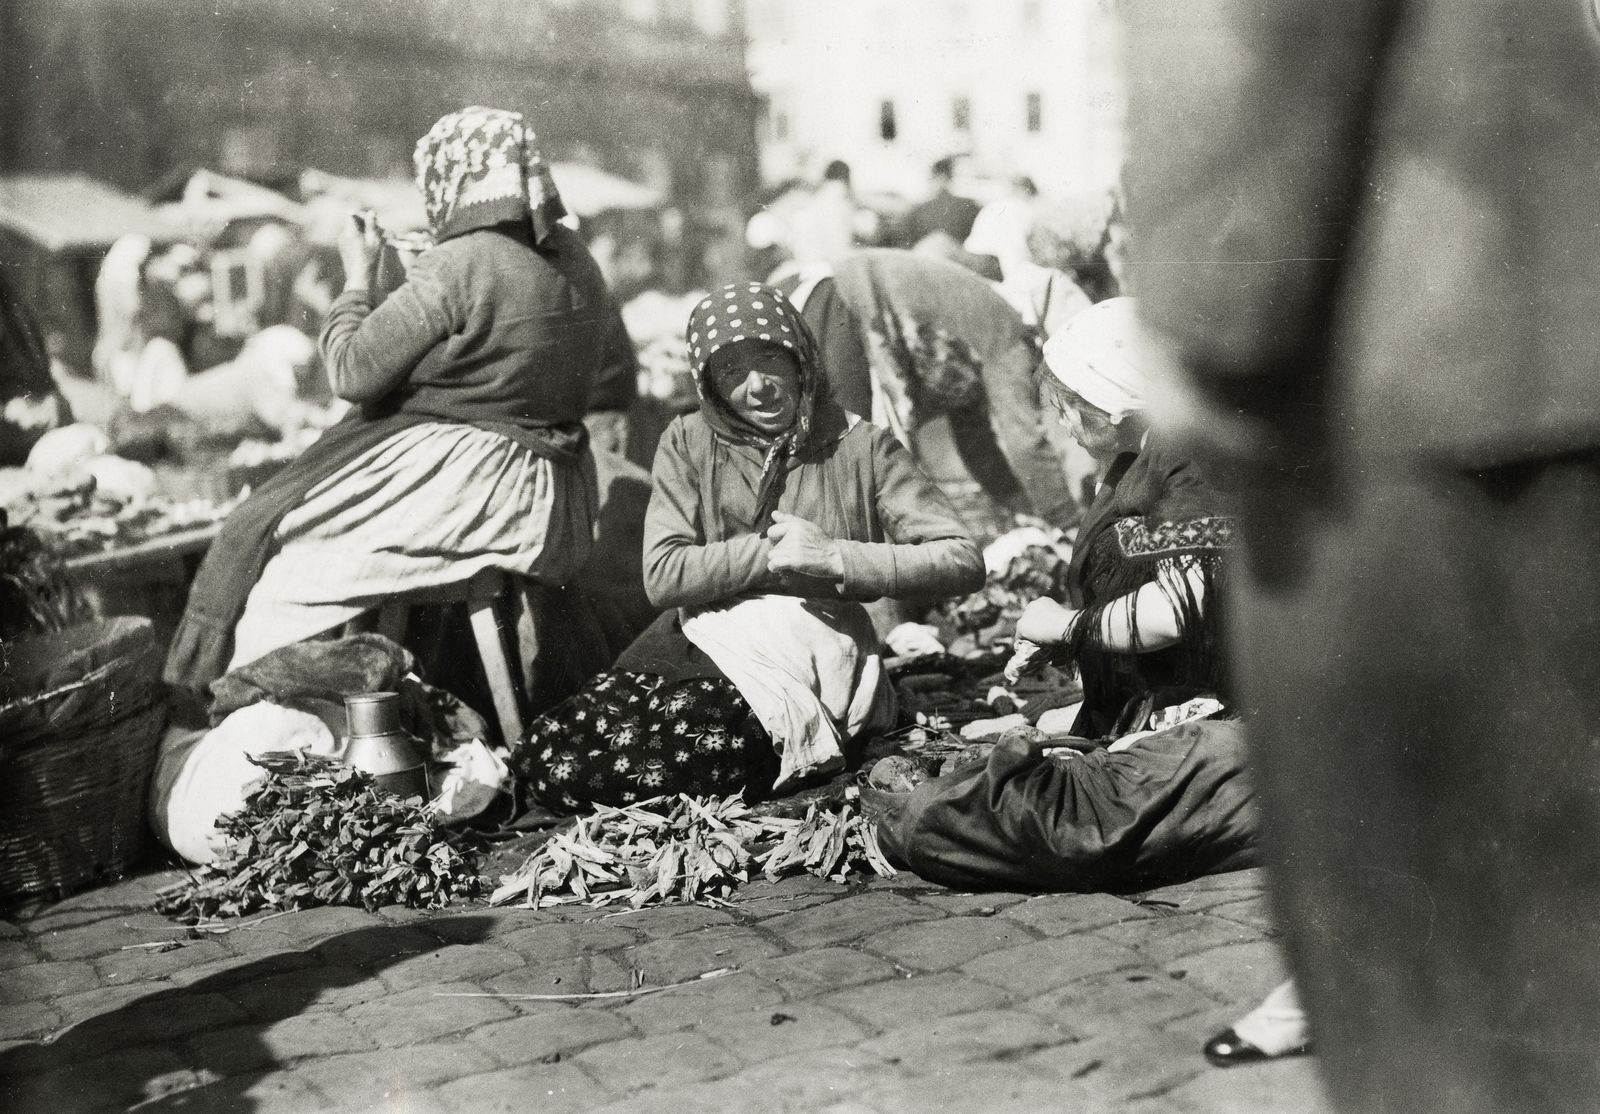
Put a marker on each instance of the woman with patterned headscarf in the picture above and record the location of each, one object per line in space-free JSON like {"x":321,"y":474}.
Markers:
{"x":774,"y":515}
{"x":465,"y":450}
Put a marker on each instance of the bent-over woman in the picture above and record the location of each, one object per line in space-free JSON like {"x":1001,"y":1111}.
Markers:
{"x":466,"y":450}
{"x":774,"y":514}
{"x":1156,"y":787}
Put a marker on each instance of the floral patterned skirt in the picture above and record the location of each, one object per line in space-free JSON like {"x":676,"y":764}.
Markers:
{"x":626,"y":737}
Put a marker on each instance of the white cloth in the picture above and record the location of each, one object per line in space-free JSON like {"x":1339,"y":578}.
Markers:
{"x":1045,"y":297}
{"x":1278,"y":1025}
{"x":1099,"y":355}
{"x":434,"y":504}
{"x":203,"y":775}
{"x":809,"y":669}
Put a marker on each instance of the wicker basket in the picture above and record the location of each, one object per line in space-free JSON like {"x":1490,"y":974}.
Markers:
{"x":81,"y":713}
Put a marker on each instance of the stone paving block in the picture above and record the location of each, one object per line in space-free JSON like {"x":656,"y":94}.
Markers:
{"x":900,"y":1002}
{"x":1267,"y":1088}
{"x":559,"y":940}
{"x":356,"y":1080}
{"x":581,"y":974}
{"x":694,"y":953}
{"x":134,"y":894}
{"x":15,"y":953}
{"x":840,"y":921}
{"x":1120,"y":1002}
{"x":28,"y":1019}
{"x":971,"y":1088}
{"x":310,"y":926}
{"x":1253,"y":912}
{"x":421,"y":1015}
{"x":1007,"y":1034}
{"x":820,"y":970}
{"x":664,"y":1060}
{"x":802,"y":1083}
{"x":1200,"y":894}
{"x":105,"y":936}
{"x":1031,"y":969}
{"x":277,"y":1092}
{"x":1060,"y":914}
{"x":146,"y":963}
{"x":904,"y":882}
{"x":801,"y":1026}
{"x":761,"y":899}
{"x":92,"y":1003}
{"x":455,"y":963}
{"x":685,"y":1006}
{"x":485,"y":923}
{"x":1167,"y":940}
{"x":937,"y":945}
{"x":1116,"y":1070}
{"x":545,"y":1088}
{"x":47,"y":980}
{"x":309,"y":988}
{"x":167,"y":1015}
{"x":379,"y":947}
{"x":233,"y":970}
{"x":1240,"y":975}
{"x":960,"y":905}
{"x":662,"y":921}
{"x":9,"y":931}
{"x":317,"y":1034}
{"x":559,"y":1030}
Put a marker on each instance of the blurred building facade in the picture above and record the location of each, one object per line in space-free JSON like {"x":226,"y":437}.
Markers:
{"x":1021,"y":86}
{"x":132,"y":91}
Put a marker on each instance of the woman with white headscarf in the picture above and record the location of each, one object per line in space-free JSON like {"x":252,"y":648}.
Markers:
{"x":1150,"y":787}
{"x":1142,"y":626}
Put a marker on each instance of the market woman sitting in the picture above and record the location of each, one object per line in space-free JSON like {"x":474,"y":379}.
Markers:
{"x":1151,"y":786}
{"x":466,"y":450}
{"x":774,"y":514}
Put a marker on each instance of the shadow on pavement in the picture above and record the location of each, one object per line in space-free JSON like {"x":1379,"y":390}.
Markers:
{"x":201,"y":1047}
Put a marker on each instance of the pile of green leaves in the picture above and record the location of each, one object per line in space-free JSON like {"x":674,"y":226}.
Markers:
{"x":319,"y":832}
{"x":670,"y":850}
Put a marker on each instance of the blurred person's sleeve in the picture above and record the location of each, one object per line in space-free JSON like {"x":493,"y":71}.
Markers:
{"x":1248,"y":130}
{"x":617,"y":384}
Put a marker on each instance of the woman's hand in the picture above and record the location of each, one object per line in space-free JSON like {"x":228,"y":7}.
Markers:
{"x":360,"y":244}
{"x":1028,"y":658}
{"x":1045,"y":622}
{"x":800,"y":546}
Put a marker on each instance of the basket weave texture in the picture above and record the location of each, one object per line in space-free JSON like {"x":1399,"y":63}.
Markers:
{"x":81,"y":713}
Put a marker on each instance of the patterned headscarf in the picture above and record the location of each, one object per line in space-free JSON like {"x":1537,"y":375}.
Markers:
{"x":481,"y":167}
{"x":754,"y":311}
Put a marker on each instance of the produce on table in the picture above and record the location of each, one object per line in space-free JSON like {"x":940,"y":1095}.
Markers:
{"x":73,"y":515}
{"x":319,"y":832}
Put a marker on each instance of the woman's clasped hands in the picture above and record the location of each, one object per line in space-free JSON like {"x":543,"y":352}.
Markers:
{"x":802,"y":548}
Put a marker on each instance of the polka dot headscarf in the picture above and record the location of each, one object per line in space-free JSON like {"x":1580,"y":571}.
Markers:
{"x":753,"y":311}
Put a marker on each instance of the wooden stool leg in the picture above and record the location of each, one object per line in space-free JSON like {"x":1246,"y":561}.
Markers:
{"x":486,"y":630}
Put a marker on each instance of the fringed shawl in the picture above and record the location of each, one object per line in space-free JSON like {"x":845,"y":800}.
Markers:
{"x":1156,"y":521}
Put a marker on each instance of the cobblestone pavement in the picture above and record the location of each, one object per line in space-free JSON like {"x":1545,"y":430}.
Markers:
{"x":892,"y":996}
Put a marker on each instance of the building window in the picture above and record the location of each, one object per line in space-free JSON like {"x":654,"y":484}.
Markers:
{"x":780,"y":126}
{"x":1035,"y":113}
{"x":961,"y":114}
{"x":886,"y":125}
{"x":1032,"y":16}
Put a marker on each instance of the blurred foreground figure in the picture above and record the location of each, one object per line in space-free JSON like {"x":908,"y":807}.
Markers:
{"x":1372,"y":233}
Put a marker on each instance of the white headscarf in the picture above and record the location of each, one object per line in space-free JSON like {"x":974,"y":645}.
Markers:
{"x":1097,"y":355}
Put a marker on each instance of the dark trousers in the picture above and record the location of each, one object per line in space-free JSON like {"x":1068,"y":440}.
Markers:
{"x":1422,"y":657}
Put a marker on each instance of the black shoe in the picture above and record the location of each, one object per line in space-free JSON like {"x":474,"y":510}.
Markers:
{"x":1228,"y":1049}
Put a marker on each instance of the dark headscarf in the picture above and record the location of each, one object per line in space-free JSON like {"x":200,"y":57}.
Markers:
{"x":753,"y":311}
{"x":481,"y":167}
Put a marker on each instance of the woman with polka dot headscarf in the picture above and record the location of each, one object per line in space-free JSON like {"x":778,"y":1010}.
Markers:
{"x":774,"y":515}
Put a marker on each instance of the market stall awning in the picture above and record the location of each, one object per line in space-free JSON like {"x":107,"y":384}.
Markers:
{"x":586,"y":190}
{"x":72,"y":211}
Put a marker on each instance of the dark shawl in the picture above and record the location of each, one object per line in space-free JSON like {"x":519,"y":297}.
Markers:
{"x":1153,"y":508}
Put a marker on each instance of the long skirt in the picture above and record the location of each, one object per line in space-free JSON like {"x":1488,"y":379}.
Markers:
{"x":627,"y":737}
{"x":433,"y":505}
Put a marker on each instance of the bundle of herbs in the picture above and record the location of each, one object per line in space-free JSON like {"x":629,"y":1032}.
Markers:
{"x":687,"y":849}
{"x":318,"y":832}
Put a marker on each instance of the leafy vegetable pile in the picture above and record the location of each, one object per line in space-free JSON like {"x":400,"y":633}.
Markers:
{"x":319,"y":832}
{"x":990,"y":614}
{"x":692,"y":850}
